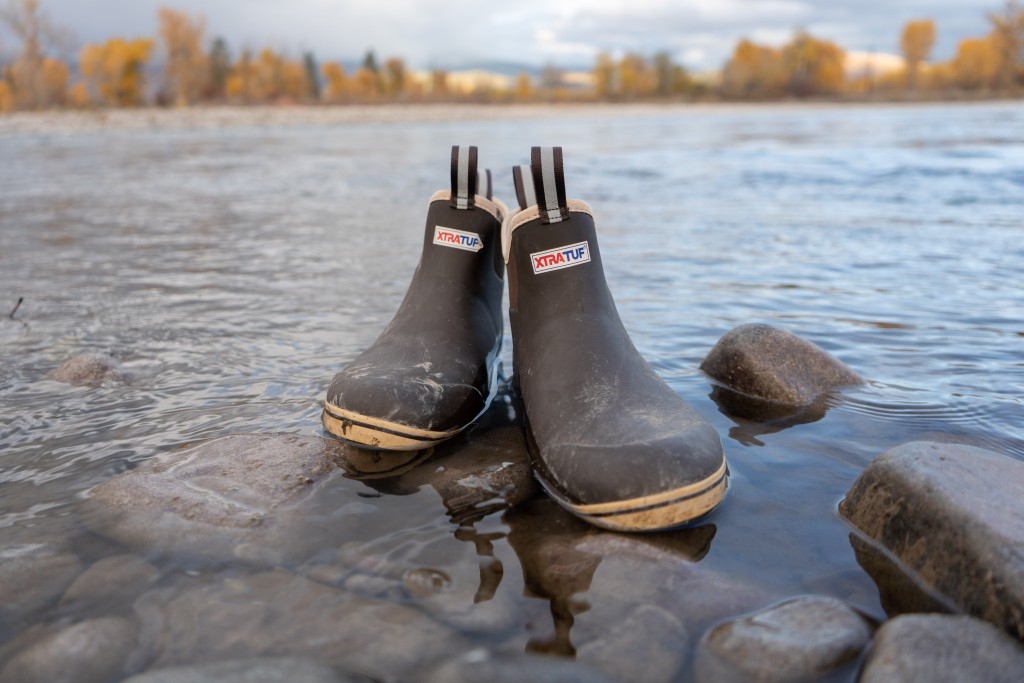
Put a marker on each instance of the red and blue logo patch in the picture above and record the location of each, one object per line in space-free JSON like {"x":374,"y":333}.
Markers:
{"x":457,"y":239}
{"x":561,"y":257}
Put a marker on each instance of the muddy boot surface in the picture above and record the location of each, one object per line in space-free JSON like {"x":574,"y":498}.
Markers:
{"x":610,"y":440}
{"x":433,"y":369}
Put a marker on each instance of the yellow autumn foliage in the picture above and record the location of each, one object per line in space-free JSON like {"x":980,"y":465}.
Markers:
{"x":115,"y":71}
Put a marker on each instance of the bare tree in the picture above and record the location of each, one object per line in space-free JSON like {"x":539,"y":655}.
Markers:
{"x":33,"y":28}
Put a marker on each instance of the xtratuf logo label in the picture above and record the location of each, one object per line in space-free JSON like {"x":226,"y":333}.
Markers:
{"x":457,"y":239}
{"x":562,"y":257}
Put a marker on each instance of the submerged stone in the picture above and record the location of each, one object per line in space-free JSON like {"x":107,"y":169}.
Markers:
{"x":256,"y":670}
{"x":94,"y":651}
{"x":942,"y":649}
{"x":479,"y":666}
{"x":776,"y":366}
{"x":33,"y":574}
{"x":595,"y":578}
{"x":798,"y":640}
{"x":245,"y":497}
{"x":952,"y":517}
{"x":648,"y":646}
{"x":111,"y":580}
{"x":90,"y":369}
{"x":280,"y":614}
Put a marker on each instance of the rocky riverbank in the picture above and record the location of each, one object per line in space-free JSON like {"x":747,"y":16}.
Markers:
{"x":213,"y":565}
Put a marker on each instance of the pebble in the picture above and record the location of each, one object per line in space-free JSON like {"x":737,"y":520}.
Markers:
{"x":801,"y":639}
{"x":768,"y":363}
{"x":952,"y":515}
{"x":942,"y":649}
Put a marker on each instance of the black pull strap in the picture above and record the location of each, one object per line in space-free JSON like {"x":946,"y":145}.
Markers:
{"x":483,"y":184}
{"x":522,"y":176}
{"x":464,"y":177}
{"x":549,"y":183}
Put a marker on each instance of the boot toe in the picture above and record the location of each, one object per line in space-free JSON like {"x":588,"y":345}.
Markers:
{"x":639,"y":484}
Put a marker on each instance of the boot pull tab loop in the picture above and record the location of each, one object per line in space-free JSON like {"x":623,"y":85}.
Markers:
{"x":483,"y":184}
{"x":549,"y":183}
{"x":522,"y":176}
{"x":464,"y":177}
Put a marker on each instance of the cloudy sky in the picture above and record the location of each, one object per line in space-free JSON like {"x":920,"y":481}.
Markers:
{"x":460,"y":33}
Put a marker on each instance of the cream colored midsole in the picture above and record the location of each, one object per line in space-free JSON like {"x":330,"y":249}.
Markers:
{"x":650,"y":501}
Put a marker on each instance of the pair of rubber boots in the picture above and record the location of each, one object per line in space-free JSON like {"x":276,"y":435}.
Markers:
{"x":608,"y":439}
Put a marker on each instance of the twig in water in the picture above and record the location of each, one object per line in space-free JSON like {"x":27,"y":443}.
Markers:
{"x":15,"y":309}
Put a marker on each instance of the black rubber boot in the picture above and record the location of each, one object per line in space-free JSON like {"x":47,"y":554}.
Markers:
{"x":433,"y":369}
{"x":610,"y":441}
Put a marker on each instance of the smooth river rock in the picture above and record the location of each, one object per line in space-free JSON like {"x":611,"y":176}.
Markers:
{"x":256,"y":670}
{"x":245,"y":497}
{"x":776,"y":366}
{"x":34,"y":574}
{"x":952,"y":516}
{"x":942,"y":649}
{"x":798,"y":640}
{"x":281,"y":614}
{"x":90,"y":369}
{"x":94,"y":651}
{"x":111,"y":581}
{"x":480,"y":666}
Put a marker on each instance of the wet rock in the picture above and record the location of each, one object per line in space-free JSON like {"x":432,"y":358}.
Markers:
{"x":648,"y":646}
{"x":246,"y":497}
{"x":776,"y":366}
{"x":594,"y":578}
{"x":111,"y":581}
{"x":33,"y":574}
{"x":478,"y":666}
{"x":257,"y":670}
{"x":798,"y":640}
{"x":899,"y":590}
{"x":94,"y":651}
{"x":942,"y":649}
{"x":487,"y":471}
{"x":952,"y":516}
{"x":280,"y":614}
{"x":90,"y":369}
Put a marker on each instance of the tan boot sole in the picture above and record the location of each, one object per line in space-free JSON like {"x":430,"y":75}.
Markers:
{"x":372,"y":432}
{"x":659,"y":511}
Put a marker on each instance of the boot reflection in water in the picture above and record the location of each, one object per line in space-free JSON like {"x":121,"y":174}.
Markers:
{"x":433,"y":369}
{"x":610,"y":440}
{"x":560,"y":554}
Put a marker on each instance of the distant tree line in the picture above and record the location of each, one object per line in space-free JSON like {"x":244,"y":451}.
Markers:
{"x":182,"y":66}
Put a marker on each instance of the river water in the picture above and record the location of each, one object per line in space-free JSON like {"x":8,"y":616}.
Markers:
{"x":233,"y":270}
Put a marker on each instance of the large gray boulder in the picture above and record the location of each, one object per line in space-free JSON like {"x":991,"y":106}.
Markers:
{"x":952,"y":516}
{"x":778,"y":367}
{"x":798,"y":640}
{"x":942,"y":649}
